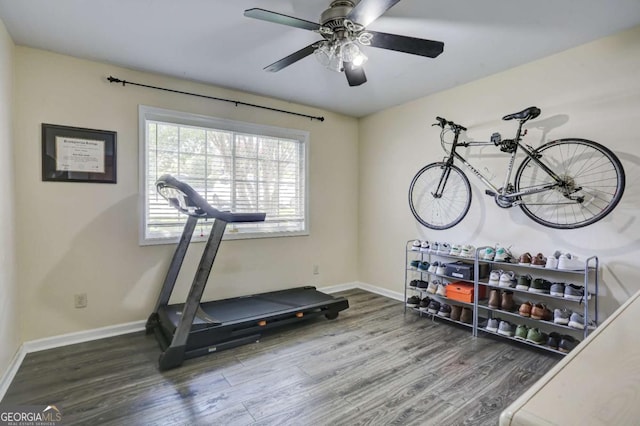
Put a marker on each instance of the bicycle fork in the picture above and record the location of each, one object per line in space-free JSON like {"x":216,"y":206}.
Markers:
{"x":443,"y":179}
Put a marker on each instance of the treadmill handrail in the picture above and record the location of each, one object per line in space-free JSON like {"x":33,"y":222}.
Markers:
{"x":195,"y":205}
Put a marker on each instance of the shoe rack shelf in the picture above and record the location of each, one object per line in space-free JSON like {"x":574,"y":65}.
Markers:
{"x":482,"y":312}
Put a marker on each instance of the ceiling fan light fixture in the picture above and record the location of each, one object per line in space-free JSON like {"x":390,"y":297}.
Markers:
{"x":351,"y":53}
{"x":323,"y":53}
{"x":359,"y":60}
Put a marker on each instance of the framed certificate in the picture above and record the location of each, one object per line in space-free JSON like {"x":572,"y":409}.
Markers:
{"x":74,"y":154}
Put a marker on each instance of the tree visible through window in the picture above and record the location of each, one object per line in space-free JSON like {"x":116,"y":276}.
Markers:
{"x":235,"y":166}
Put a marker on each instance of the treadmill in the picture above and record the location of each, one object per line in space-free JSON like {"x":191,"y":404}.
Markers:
{"x":192,"y":329}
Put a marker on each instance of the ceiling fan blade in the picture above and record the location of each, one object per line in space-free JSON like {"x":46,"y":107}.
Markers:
{"x":399,"y":43}
{"x":294,"y":57}
{"x":355,"y":75}
{"x":368,"y":11}
{"x":278,"y":18}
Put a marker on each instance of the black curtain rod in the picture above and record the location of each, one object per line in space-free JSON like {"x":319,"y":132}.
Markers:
{"x":117,"y":80}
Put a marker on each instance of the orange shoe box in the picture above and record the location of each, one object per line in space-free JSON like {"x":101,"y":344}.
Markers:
{"x":463,"y":292}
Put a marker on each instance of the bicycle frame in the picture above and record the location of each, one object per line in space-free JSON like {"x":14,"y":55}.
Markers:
{"x":503,"y":192}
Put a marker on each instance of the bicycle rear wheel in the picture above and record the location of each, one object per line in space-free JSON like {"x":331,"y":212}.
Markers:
{"x":593,"y":182}
{"x":447,"y":209}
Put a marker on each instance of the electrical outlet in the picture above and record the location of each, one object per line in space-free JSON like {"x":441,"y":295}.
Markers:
{"x":80,"y":300}
{"x":316,"y":270}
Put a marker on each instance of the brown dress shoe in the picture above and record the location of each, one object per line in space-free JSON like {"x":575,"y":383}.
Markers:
{"x":541,"y":312}
{"x":525,"y":309}
{"x":507,"y":301}
{"x":494,"y":299}
{"x":539,"y":260}
{"x":525,"y":259}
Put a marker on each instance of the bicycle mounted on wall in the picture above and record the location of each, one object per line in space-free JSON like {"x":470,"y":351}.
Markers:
{"x":563,"y":184}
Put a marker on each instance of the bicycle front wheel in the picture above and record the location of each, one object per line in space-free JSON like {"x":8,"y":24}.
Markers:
{"x":439,"y":196}
{"x":592,"y":183}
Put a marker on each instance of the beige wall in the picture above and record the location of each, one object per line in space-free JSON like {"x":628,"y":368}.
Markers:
{"x":592,"y":91}
{"x":78,"y":237}
{"x":9,"y":328}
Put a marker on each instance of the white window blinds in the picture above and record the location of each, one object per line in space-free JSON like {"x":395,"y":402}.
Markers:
{"x":238,"y":167}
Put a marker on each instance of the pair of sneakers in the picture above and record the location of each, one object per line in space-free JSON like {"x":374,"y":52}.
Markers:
{"x":437,"y":287}
{"x":437,"y":268}
{"x":500,"y":278}
{"x":466,"y":250}
{"x":564,"y":262}
{"x":440,"y":248}
{"x":497,"y":254}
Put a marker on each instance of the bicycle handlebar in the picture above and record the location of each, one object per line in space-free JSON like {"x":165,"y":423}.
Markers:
{"x":444,"y":122}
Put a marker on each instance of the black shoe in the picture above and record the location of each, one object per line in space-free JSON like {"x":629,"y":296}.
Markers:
{"x":413,"y":301}
{"x":434,"y":307}
{"x":422,"y":284}
{"x":553,"y":340}
{"x":413,"y":283}
{"x":445,"y":311}
{"x":567,"y":343}
{"x":424,"y":304}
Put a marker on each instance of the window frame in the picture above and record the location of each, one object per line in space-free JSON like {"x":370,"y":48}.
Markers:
{"x":190,"y":119}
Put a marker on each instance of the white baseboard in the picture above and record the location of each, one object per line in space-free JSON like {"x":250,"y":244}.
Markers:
{"x":131,"y":327}
{"x":363,"y":286}
{"x":381,"y":291}
{"x":339,"y":287}
{"x":82,"y":336}
{"x":14,"y":365}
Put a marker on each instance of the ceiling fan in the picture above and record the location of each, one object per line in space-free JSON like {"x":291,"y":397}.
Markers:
{"x":343,"y":28}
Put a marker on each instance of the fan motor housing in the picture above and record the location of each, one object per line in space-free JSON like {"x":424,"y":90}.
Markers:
{"x":334,"y":16}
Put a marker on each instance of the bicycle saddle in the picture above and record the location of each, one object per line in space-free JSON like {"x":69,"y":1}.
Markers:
{"x":526,"y":114}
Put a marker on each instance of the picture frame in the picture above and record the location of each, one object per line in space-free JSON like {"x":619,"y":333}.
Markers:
{"x":75,"y":154}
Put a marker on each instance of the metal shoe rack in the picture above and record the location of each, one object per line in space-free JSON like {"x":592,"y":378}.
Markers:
{"x":587,"y":276}
{"x":411,"y":273}
{"x":482,"y":312}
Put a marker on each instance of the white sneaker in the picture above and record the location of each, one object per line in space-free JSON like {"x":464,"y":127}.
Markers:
{"x":434,"y":247}
{"x":507,"y":279}
{"x":433,"y":286}
{"x":488,"y":254}
{"x":433,"y":267}
{"x":494,"y":276}
{"x":456,"y":249}
{"x":442,"y":290}
{"x":441,"y":269}
{"x":468,"y":251}
{"x":552,"y":260}
{"x":503,"y":254}
{"x":424,"y":247}
{"x":567,"y":262}
{"x":444,"y":248}
{"x":416,"y":245}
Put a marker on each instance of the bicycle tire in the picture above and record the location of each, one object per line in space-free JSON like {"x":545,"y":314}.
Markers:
{"x":449,"y":209}
{"x":582,"y":164}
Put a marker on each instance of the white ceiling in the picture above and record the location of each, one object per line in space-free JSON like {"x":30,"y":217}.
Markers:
{"x":211,"y":41}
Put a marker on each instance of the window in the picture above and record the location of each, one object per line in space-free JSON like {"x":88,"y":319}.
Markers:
{"x":235,"y":166}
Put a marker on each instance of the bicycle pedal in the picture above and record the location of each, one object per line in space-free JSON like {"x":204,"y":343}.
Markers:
{"x":490,"y":192}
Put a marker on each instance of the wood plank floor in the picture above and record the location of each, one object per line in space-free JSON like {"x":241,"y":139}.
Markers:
{"x":373,"y":365}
